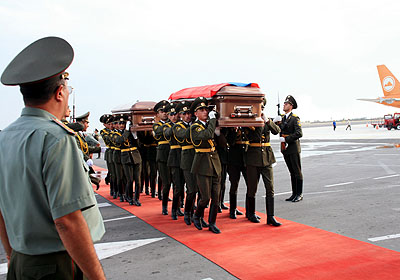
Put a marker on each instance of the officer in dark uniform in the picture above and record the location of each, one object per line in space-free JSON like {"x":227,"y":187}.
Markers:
{"x":174,"y":161}
{"x":290,"y":147}
{"x":222,"y":149}
{"x":130,"y":160}
{"x":150,"y":151}
{"x":105,"y":135}
{"x":116,"y":147}
{"x":206,"y":164}
{"x":182,"y":133}
{"x":162,"y":152}
{"x":236,"y":165}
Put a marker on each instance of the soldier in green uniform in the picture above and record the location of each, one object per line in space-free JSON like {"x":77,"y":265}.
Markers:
{"x":105,"y":135}
{"x":119,"y":173}
{"x":49,"y":230}
{"x":150,"y":151}
{"x":162,"y":153}
{"x":290,"y":147}
{"x":206,"y":165}
{"x":130,"y":160}
{"x":182,"y":135}
{"x":174,"y":161}
{"x":238,"y":146}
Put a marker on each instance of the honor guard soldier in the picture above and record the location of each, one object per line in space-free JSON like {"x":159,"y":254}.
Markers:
{"x":174,"y":161}
{"x":130,"y":160}
{"x":222,"y":150}
{"x":206,"y":165}
{"x":110,"y":157}
{"x":162,"y":152}
{"x":105,"y":135}
{"x":119,"y":173}
{"x":267,"y":171}
{"x":150,"y":151}
{"x":182,"y":134}
{"x":49,"y":230}
{"x":290,"y":147}
{"x":238,"y":146}
{"x":86,"y":148}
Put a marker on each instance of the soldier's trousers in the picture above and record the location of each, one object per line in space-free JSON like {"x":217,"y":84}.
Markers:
{"x":234,"y":177}
{"x":294,"y":165}
{"x":209,"y":188}
{"x":253,"y":176}
{"x":191,"y":190}
{"x":164,"y":171}
{"x":153,"y":176}
{"x":57,"y":265}
{"x":132,"y":173}
{"x":119,"y":177}
{"x":178,"y":185}
{"x":111,"y":173}
{"x":267,"y":175}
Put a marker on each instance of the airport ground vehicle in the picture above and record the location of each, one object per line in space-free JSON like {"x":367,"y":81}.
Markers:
{"x":392,"y":121}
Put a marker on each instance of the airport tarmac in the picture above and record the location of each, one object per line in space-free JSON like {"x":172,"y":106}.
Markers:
{"x":351,"y":187}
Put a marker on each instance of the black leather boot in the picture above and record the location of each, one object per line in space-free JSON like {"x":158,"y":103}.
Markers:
{"x":293,"y":181}
{"x":179,"y":212}
{"x":203,"y":223}
{"x":269,"y":201}
{"x":252,"y":210}
{"x":197,"y":222}
{"x":232,"y":205}
{"x":212,"y":218}
{"x":187,"y":219}
{"x":173,"y":214}
{"x":165,"y":210}
{"x":299,"y":191}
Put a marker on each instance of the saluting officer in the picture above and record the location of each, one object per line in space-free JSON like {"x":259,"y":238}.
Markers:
{"x":182,"y":133}
{"x":290,"y":147}
{"x":130,"y":160}
{"x":162,"y":152}
{"x":206,"y":164}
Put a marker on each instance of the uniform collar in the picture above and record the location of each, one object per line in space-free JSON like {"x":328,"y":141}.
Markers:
{"x":30,"y":111}
{"x":288,"y":114}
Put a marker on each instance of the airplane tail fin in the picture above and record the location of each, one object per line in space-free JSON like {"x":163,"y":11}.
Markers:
{"x":390,"y":84}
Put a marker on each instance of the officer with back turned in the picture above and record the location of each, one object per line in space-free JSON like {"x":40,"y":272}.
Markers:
{"x":206,"y":165}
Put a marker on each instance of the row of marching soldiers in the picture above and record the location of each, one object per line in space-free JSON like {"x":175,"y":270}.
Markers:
{"x":191,"y":150}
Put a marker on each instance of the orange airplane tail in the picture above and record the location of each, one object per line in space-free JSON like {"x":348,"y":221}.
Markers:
{"x":390,"y":84}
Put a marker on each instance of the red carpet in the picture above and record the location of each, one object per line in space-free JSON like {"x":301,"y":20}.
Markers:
{"x":258,"y":251}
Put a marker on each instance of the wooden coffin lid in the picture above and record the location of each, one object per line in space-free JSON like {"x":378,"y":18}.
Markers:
{"x":143,"y":106}
{"x":240,"y":91}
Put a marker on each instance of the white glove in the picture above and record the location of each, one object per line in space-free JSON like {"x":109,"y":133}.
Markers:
{"x":282,"y":139}
{"x":264,"y":117}
{"x":212,"y":114}
{"x":89,"y":162}
{"x":217,"y":131}
{"x":277,"y":119}
{"x":134,"y":134}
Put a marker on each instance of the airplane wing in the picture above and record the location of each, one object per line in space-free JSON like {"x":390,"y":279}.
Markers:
{"x":380,"y":100}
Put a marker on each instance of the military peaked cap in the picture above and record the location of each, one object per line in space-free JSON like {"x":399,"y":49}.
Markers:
{"x":161,"y":105}
{"x":171,"y":108}
{"x":199,"y":102}
{"x":42,"y":60}
{"x":290,"y":99}
{"x":121,"y":118}
{"x":183,"y":106}
{"x":82,"y":117}
{"x":105,"y":118}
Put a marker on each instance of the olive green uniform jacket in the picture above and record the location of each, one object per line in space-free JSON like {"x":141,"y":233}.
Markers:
{"x":291,"y":130}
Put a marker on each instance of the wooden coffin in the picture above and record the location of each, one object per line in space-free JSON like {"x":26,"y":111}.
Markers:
{"x":238,"y":106}
{"x":143,"y":115}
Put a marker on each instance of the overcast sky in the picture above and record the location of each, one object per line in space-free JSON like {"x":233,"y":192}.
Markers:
{"x":324,"y":53}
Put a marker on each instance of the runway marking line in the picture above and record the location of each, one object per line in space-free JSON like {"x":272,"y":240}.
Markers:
{"x":384,"y":177}
{"x":103,"y":204}
{"x":117,"y":219}
{"x":338,"y":184}
{"x":386,"y":237}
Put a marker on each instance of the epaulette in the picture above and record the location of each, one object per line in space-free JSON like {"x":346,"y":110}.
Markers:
{"x":57,"y":121}
{"x":296,"y":116}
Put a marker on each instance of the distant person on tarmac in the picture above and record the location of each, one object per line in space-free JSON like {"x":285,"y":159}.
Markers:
{"x":348,"y":124}
{"x":334,"y":125}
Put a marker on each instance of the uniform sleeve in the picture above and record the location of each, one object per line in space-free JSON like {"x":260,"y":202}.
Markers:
{"x":66,"y":178}
{"x":298,"y":133}
{"x":203,"y":134}
{"x":179,"y":132}
{"x":158,"y":131}
{"x":271,"y":126}
{"x":121,"y":139}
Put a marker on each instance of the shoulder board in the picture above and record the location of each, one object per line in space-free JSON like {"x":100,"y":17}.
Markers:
{"x":296,"y":116}
{"x":181,"y":125}
{"x":201,"y":127}
{"x":168,"y":124}
{"x":57,"y":121}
